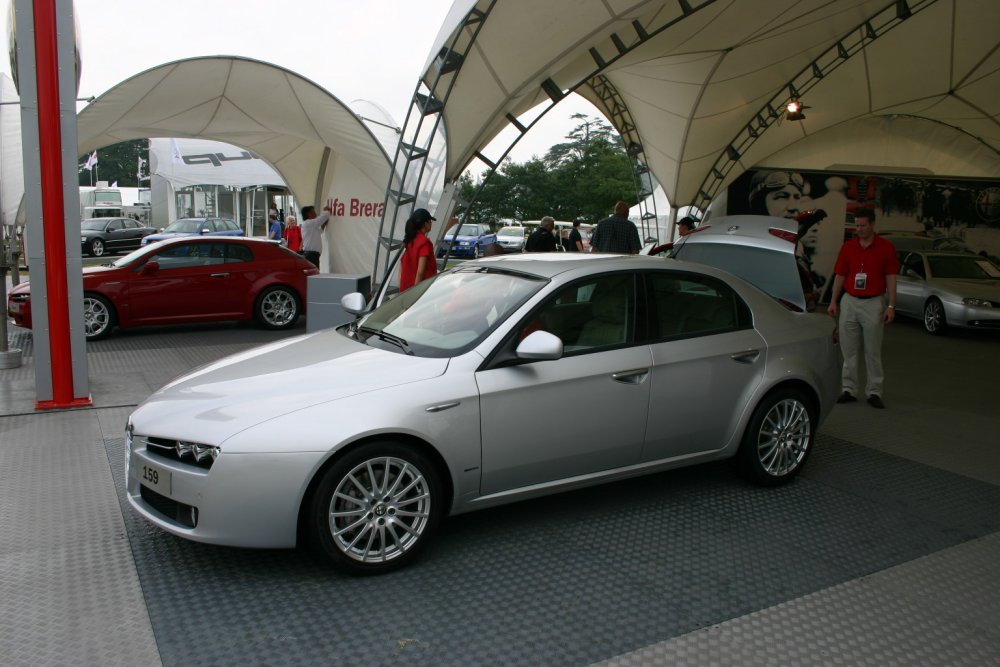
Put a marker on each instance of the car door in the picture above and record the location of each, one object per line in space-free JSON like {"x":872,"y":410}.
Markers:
{"x":911,"y":284}
{"x":133,"y":234}
{"x":116,"y":235}
{"x":190,"y":283}
{"x":580,"y":414}
{"x":706,"y":361}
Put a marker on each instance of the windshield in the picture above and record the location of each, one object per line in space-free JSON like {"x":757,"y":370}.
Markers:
{"x":134,"y":255}
{"x":449,"y":314}
{"x":468,"y":230}
{"x":95,"y":225}
{"x":183,"y":227}
{"x":511,"y":231}
{"x":964,"y":267}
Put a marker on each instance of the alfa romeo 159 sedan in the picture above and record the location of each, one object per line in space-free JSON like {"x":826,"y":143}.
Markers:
{"x":360,"y":439}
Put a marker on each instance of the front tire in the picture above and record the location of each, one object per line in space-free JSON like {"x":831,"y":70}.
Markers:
{"x":97,"y":248}
{"x":778,"y":438}
{"x":935,"y":322}
{"x":375,"y":509}
{"x":98,"y":317}
{"x":277,"y":308}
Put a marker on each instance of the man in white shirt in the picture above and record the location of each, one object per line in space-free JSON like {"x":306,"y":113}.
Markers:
{"x":312,"y":232}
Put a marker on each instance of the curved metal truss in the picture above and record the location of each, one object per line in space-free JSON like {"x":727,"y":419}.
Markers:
{"x":420,"y":130}
{"x":848,"y":46}
{"x":617,"y":111}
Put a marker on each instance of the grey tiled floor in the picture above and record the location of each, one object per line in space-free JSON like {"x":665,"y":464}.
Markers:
{"x":885,"y":552}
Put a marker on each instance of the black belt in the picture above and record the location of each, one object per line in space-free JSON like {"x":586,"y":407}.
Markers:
{"x":868,"y":296}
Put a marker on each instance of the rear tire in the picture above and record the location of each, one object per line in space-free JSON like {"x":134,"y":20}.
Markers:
{"x":97,"y":248}
{"x":277,"y":308}
{"x":98,"y":317}
{"x":778,"y":438}
{"x":935,"y":322}
{"x":376,"y":508}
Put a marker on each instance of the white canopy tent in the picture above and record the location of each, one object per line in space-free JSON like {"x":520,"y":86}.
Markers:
{"x":318,"y":146}
{"x":900,"y":84}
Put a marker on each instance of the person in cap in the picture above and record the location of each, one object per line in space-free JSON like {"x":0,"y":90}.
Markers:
{"x":417,"y":263}
{"x":686,"y":225}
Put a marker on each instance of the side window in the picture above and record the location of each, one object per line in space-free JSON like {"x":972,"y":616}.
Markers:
{"x":237,"y":252}
{"x":595,"y":314}
{"x":915,"y":263}
{"x":132,"y":224}
{"x":188,"y":255}
{"x":229,"y":225}
{"x":685,"y":305}
{"x":211,"y":226}
{"x":116,"y":225}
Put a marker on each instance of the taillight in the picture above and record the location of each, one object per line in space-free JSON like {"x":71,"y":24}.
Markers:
{"x":791,"y":237}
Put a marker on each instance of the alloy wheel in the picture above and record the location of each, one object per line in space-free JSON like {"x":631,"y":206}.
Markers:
{"x":279,"y":308}
{"x":784,"y":437}
{"x":379,"y":510}
{"x":96,"y":317}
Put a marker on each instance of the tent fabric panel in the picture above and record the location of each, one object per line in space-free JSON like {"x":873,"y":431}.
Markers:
{"x":893,"y":143}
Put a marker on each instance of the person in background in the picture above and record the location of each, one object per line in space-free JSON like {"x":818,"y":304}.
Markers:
{"x":686,"y":225}
{"x":866,"y":270}
{"x":275,"y":232}
{"x":293,"y":234}
{"x":616,"y":234}
{"x":313,"y":227}
{"x":575,"y":239}
{"x":417,"y":263}
{"x":542,"y":239}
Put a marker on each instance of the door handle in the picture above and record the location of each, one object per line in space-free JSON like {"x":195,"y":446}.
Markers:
{"x":219,"y":275}
{"x":745,"y":357}
{"x":634,"y":376}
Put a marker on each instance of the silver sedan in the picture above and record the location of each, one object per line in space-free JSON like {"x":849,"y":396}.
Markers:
{"x":362,"y":439}
{"x":948,"y":289}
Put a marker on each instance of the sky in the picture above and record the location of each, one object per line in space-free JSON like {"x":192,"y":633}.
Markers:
{"x":356,"y":49}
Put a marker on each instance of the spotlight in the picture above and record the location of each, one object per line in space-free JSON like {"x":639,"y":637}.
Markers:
{"x":794,"y":109}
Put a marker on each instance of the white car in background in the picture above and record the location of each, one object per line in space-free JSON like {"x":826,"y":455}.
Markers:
{"x":512,"y":238}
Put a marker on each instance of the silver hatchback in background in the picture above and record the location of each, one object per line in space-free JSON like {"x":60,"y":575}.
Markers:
{"x":948,"y":289}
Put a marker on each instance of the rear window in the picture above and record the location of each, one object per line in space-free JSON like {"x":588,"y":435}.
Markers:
{"x":770,"y":271}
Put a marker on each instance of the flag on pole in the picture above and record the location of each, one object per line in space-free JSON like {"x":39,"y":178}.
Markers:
{"x":115,"y":184}
{"x":175,"y":152}
{"x":91,"y":161}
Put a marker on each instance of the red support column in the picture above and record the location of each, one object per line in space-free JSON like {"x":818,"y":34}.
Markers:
{"x":53,"y":207}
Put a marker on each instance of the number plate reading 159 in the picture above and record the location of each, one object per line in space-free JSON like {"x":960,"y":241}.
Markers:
{"x":154,"y":477}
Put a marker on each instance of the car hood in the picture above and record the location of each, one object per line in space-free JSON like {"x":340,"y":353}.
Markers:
{"x":978,"y":289}
{"x":222,"y":398}
{"x":463,"y":237}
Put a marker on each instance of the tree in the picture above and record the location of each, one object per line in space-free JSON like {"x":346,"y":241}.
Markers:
{"x":581,"y":177}
{"x":117,"y":163}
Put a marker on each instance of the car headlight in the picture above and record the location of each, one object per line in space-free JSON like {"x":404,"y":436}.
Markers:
{"x":197,"y":451}
{"x":978,"y":303}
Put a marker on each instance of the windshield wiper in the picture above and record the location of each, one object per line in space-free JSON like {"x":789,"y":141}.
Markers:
{"x":387,"y":337}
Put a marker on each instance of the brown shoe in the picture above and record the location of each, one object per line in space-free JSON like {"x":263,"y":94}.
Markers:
{"x":876,"y":402}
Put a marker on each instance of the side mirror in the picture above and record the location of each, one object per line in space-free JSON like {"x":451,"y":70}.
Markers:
{"x":354,"y":303}
{"x":540,"y":345}
{"x":149,"y":268}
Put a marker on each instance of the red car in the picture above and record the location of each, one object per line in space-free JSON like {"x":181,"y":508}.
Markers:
{"x":188,"y":279}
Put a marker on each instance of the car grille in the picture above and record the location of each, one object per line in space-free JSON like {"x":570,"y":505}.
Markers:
{"x":186,"y":515}
{"x":168,"y":449}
